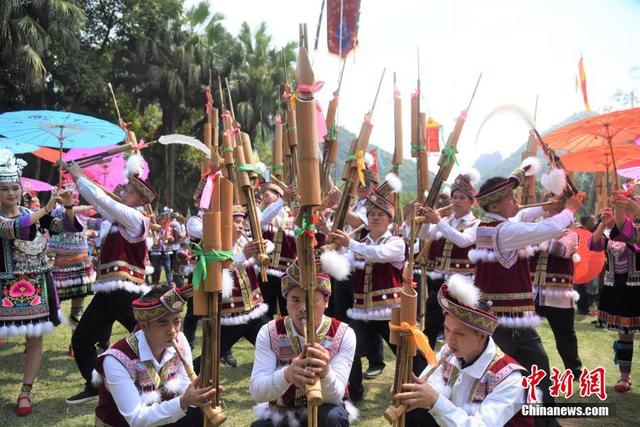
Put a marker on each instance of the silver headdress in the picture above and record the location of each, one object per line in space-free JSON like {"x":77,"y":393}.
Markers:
{"x":10,"y":167}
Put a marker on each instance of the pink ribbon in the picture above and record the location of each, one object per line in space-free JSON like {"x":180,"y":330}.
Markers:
{"x":396,"y":94}
{"x":367,"y":118}
{"x":415,"y":93}
{"x":231,"y":131}
{"x":286,"y":94}
{"x":303,"y":88}
{"x":278,"y":119}
{"x":463,"y":115}
{"x":205,"y":200}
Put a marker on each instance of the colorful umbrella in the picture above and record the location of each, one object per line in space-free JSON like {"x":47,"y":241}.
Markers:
{"x":598,"y":159}
{"x":589,"y":265}
{"x":17,"y":147}
{"x":606,"y":129}
{"x":59,"y":129}
{"x":109,"y":173}
{"x":35,"y":185}
{"x":630,"y":169}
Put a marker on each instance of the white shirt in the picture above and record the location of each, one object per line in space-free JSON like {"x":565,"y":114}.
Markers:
{"x":374,"y":251}
{"x":361,"y":211}
{"x":130,"y":219}
{"x":461,"y":239}
{"x":270,"y":212}
{"x":267,"y":380}
{"x":517,"y":235}
{"x":496,"y":409}
{"x":126,"y":396}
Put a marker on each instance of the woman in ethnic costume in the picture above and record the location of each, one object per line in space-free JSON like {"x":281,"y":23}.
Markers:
{"x":618,"y":308}
{"x":72,"y":270}
{"x":30,"y":305}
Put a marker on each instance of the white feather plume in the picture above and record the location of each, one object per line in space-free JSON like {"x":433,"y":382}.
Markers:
{"x":555,"y":181}
{"x":185,"y":140}
{"x":335,"y":264}
{"x":394,"y":182}
{"x":446,"y":190}
{"x":473,"y":174}
{"x":531,"y":165}
{"x":227,"y":283}
{"x":135,"y":164}
{"x":368,"y":160}
{"x":463,"y":290}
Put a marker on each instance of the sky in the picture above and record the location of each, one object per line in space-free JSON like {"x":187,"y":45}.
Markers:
{"x":522,"y":48}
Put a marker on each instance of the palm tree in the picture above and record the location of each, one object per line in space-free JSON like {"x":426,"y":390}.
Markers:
{"x":257,"y":81}
{"x":29,"y":30}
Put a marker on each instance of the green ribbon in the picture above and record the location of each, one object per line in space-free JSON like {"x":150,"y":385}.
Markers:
{"x":226,"y":150}
{"x":292,"y":129}
{"x":306,"y":227}
{"x":332,"y":133}
{"x":249,"y":167}
{"x":449,"y":153}
{"x":418,"y":148}
{"x":277,"y":168}
{"x":205,"y":258}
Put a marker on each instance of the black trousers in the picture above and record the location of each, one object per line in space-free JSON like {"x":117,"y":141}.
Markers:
{"x":95,"y":326}
{"x":190,"y":324}
{"x":229,"y":335}
{"x":341,"y":301}
{"x":363,"y":330}
{"x":329,"y":415}
{"x":194,"y":417}
{"x":585,"y":299}
{"x":561,"y":322}
{"x":272,"y":295}
{"x":434,"y":317}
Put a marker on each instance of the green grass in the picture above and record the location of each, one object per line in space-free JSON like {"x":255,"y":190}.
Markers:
{"x":59,"y":378}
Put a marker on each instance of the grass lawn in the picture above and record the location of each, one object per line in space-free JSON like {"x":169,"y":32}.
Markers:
{"x":59,"y":378}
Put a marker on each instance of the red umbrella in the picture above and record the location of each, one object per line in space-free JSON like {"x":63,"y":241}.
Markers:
{"x":607,"y":129}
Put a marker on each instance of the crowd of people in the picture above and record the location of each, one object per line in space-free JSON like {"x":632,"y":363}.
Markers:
{"x":493,"y":271}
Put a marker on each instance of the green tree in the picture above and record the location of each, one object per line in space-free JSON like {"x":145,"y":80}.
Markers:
{"x":29,"y":33}
{"x":256,"y":83}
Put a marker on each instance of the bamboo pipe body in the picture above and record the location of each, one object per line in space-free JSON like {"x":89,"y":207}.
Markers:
{"x":394,"y":412}
{"x":276,"y":153}
{"x":214,"y":415}
{"x":397,"y":130}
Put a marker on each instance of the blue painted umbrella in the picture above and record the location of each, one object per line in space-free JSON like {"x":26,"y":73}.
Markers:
{"x":59,"y":129}
{"x":17,"y":147}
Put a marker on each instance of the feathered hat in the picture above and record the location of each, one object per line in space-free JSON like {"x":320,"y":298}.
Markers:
{"x":460,"y":297}
{"x":529,"y":166}
{"x":10,"y":167}
{"x":171,"y":301}
{"x":466,"y":182}
{"x":134,"y":170}
{"x":291,"y":279}
{"x":272,"y":187}
{"x":239,"y":210}
{"x":382,"y":197}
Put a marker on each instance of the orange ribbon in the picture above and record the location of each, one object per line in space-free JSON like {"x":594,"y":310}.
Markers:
{"x":419,"y":338}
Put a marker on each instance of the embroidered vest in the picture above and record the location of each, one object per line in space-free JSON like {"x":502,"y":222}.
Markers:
{"x":286,"y":345}
{"x":246,"y":299}
{"x":284,"y":247}
{"x":620,"y":253}
{"x":376,"y":288}
{"x":121,"y":260}
{"x":505,"y":283}
{"x":500,"y":367}
{"x":551,"y":276}
{"x":445,"y":257}
{"x":151,"y":385}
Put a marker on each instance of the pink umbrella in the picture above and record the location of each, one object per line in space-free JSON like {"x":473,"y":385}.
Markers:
{"x":110,"y":173}
{"x":35,"y":185}
{"x":630,"y":170}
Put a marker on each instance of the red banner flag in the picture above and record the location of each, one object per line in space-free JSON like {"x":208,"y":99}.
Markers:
{"x":342,"y":37}
{"x":583,"y":84}
{"x":432,"y":135}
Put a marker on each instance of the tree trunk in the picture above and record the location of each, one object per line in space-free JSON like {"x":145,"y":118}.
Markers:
{"x":170,"y":116}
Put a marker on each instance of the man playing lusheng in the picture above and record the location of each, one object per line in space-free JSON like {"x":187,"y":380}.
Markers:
{"x":477,"y":384}
{"x":280,"y":370}
{"x":141,"y":380}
